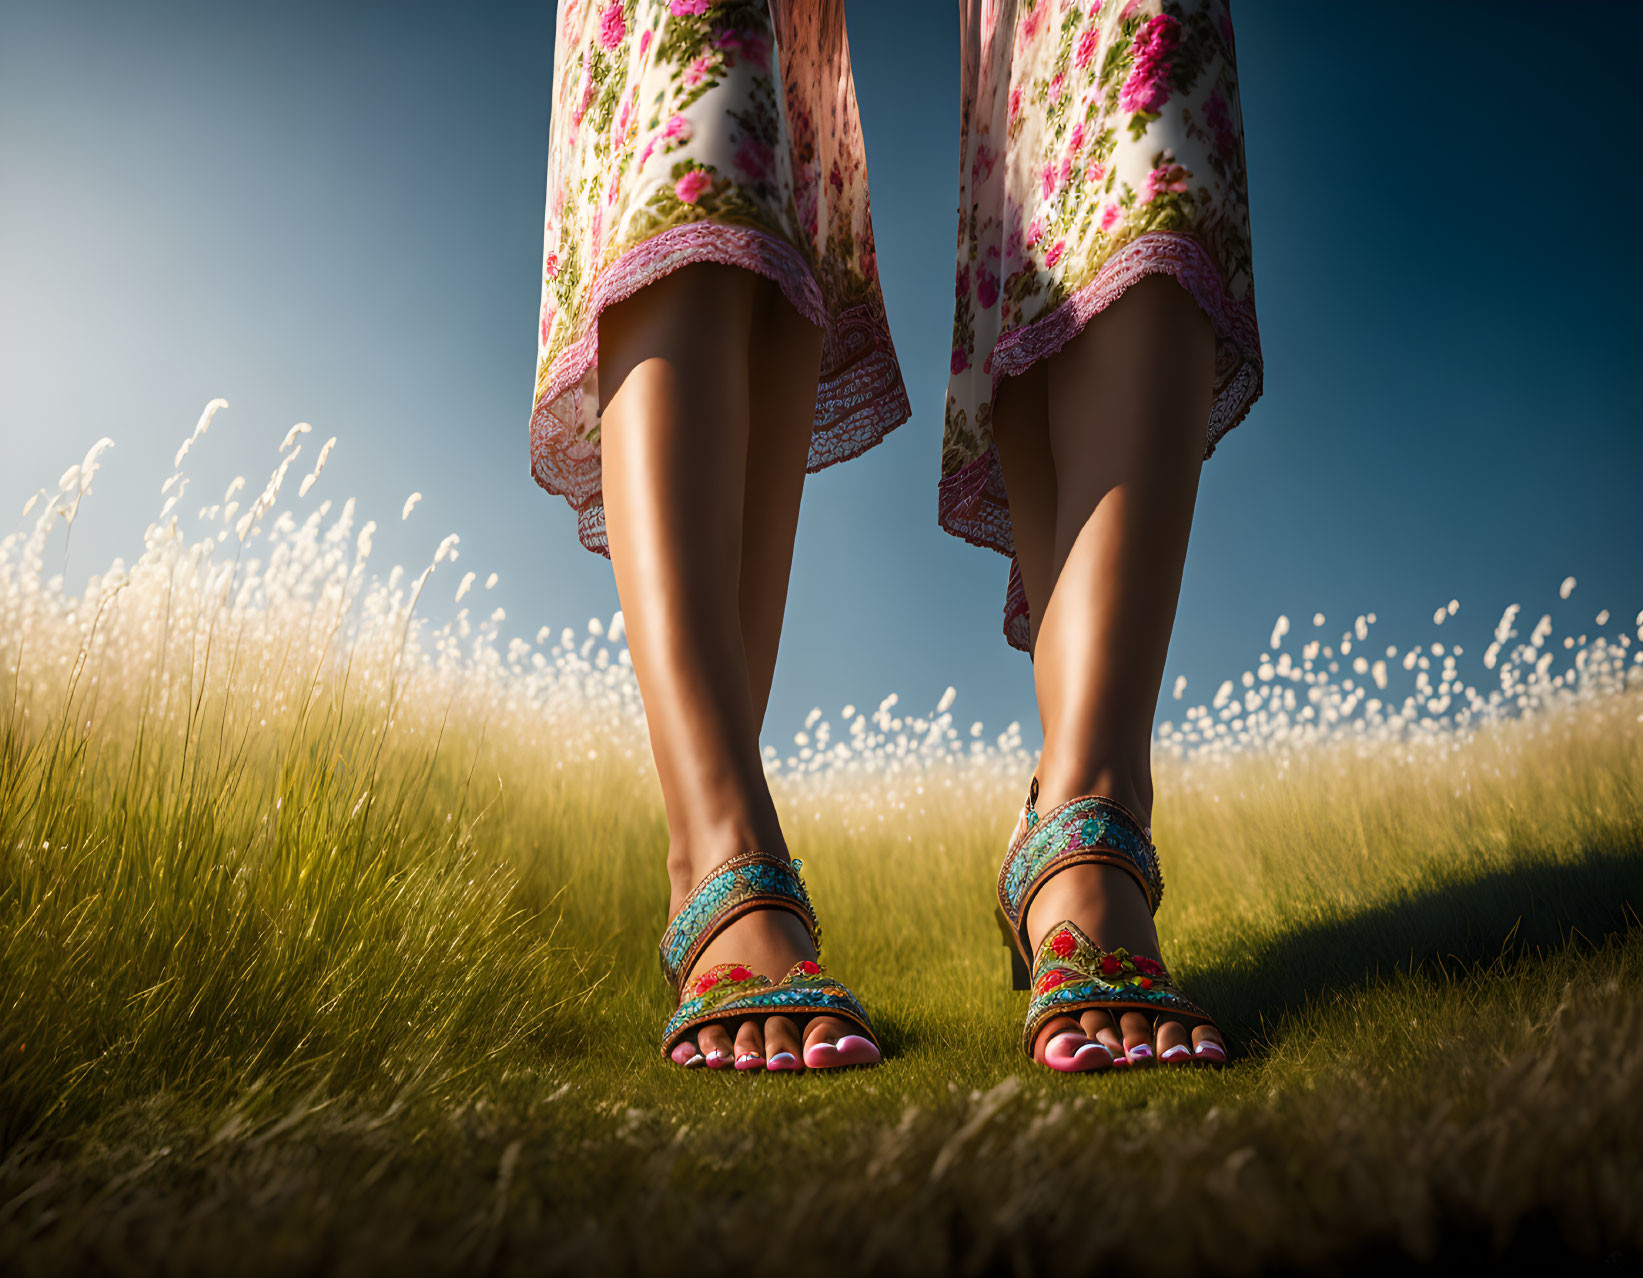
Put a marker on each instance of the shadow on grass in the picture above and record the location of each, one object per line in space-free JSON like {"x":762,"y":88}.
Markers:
{"x":1481,"y":920}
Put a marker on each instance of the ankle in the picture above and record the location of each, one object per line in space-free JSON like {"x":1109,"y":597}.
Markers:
{"x":1128,"y":785}
{"x":694,"y":854}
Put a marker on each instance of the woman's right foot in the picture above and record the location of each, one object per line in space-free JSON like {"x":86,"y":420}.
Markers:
{"x":767,"y":943}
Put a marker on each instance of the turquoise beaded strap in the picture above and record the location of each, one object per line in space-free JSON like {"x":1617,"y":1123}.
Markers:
{"x":1087,"y":830}
{"x":749,"y":881}
{"x":1073,"y":974}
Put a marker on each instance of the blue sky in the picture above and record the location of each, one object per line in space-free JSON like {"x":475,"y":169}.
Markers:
{"x":332,"y":213}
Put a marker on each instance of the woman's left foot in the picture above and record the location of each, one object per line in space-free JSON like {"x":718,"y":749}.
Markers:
{"x":1077,"y":894}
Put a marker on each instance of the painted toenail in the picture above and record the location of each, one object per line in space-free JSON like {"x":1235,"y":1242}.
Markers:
{"x":1179,"y":1052}
{"x":781,"y":1061}
{"x":716,"y":1060}
{"x":694,"y":1062}
{"x":1211,"y":1049}
{"x":1140,"y":1052}
{"x":749,"y":1060}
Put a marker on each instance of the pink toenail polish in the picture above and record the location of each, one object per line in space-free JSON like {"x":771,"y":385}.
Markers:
{"x":695,"y":1062}
{"x":853,"y":1049}
{"x":781,"y":1061}
{"x":749,"y":1060}
{"x":1212,"y":1050}
{"x":718,"y":1060}
{"x":1180,"y":1052}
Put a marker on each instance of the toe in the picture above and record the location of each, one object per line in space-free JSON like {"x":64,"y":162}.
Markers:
{"x":1208,"y":1047}
{"x":750,"y":1045}
{"x":686,"y":1054}
{"x":1064,"y":1045}
{"x":717,"y":1049}
{"x":830,"y":1043}
{"x":1137,"y":1030}
{"x":1050,"y":1031}
{"x":781,"y":1044}
{"x":1174,"y":1043}
{"x":1101,"y":1027}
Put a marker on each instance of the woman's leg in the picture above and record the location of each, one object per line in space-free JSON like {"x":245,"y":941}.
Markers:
{"x":709,"y":387}
{"x":1125,"y":407}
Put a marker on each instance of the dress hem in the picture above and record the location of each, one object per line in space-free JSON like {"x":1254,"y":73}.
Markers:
{"x":857,"y":403}
{"x":972,"y":503}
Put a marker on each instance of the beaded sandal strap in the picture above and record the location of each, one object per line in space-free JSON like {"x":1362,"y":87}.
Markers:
{"x":731,"y":990}
{"x":1072,"y":974}
{"x":1089,"y":830}
{"x":748,"y":881}
{"x":1086,"y":830}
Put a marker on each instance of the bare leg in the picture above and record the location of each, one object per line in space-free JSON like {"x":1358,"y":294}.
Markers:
{"x":1125,"y":407}
{"x":709,"y":386}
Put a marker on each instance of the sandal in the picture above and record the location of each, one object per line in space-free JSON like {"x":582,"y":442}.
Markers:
{"x":727,"y":991}
{"x":1071,"y":973}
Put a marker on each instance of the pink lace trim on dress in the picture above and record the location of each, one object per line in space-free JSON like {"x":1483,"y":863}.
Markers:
{"x":860,"y":399}
{"x":973,"y":503}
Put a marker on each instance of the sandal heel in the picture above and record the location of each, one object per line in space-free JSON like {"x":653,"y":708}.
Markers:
{"x":1020,"y":977}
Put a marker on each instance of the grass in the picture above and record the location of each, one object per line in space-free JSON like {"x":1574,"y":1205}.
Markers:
{"x":325,"y":944}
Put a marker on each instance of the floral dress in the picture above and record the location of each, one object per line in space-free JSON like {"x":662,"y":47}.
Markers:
{"x":1101,"y":142}
{"x":705,"y":131}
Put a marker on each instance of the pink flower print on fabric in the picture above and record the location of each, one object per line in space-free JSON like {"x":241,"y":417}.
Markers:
{"x":986,"y":287}
{"x":692,"y":186}
{"x":645,"y":40}
{"x":584,"y":91}
{"x":688,"y":8}
{"x":1147,"y":88}
{"x":1054,"y":255}
{"x":613,"y":27}
{"x":1035,"y":231}
{"x":981,"y":168}
{"x":1087,"y":45}
{"x":1111,"y":216}
{"x":698,"y":70}
{"x":678,"y":129}
{"x":1167,"y":176}
{"x":751,"y":45}
{"x":1220,"y":124}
